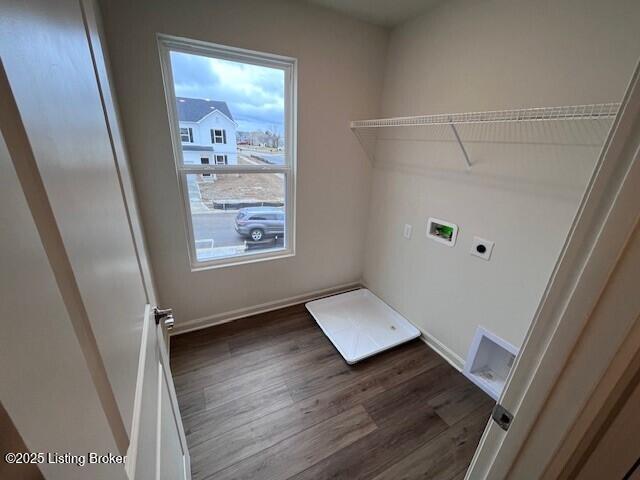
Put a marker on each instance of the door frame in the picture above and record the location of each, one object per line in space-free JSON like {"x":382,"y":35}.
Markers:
{"x":606,"y":219}
{"x":607,"y":400}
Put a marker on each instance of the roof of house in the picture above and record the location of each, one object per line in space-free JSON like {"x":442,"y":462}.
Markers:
{"x":195,"y":109}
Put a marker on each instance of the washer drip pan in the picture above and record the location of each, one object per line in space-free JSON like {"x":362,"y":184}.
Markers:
{"x":360,"y":325}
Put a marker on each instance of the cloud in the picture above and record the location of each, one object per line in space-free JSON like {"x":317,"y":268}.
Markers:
{"x":254,"y":94}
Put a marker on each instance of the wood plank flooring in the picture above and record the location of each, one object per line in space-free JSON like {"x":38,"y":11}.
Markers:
{"x":269,"y":398}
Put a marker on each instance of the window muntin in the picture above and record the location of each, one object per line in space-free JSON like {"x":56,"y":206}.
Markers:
{"x":251,"y":166}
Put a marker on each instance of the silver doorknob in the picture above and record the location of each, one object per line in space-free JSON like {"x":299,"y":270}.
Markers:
{"x":162,"y":313}
{"x":168,"y":322}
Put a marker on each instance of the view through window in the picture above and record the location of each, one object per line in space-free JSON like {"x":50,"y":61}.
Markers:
{"x":232,"y":119}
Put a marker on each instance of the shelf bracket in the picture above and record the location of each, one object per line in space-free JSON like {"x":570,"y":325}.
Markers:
{"x":464,"y":151}
{"x":368,"y":149}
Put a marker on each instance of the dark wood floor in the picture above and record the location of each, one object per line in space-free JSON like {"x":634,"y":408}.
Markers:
{"x":268,"y":397}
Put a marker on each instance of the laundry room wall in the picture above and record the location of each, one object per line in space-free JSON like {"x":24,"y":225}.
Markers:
{"x":526,"y":181}
{"x":340,"y":66}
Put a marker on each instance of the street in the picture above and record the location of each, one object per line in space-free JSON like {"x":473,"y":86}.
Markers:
{"x":217,"y":226}
{"x":275,"y":158}
{"x":214,"y":231}
{"x":220,"y":227}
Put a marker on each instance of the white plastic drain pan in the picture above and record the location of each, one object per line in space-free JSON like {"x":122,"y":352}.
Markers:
{"x":360,"y":325}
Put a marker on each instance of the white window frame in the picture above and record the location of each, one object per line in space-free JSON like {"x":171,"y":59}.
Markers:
{"x":189,"y":134}
{"x":288,"y":65}
{"x":224,"y":158}
{"x":215,"y":138}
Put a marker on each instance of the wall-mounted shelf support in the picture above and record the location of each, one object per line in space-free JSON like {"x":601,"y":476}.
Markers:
{"x":464,"y":151}
{"x":370,"y":150}
{"x":596,"y":111}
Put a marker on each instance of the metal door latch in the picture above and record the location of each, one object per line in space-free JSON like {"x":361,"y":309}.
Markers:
{"x":502,"y":417}
{"x":165,"y":315}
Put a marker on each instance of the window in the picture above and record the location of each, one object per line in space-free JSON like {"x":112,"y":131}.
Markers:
{"x":205,"y":161}
{"x":244,"y":210}
{"x":186,"y":134}
{"x":218,"y":136}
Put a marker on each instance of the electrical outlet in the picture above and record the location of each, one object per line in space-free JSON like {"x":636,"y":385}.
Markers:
{"x":407,"y":231}
{"x":482,"y":248}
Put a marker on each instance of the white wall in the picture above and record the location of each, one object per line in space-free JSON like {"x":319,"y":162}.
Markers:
{"x":340,"y":61}
{"x":526,"y":181}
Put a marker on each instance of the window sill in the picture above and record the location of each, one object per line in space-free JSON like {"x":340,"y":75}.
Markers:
{"x":242,"y":260}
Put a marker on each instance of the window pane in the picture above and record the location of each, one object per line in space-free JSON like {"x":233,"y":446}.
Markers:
{"x":232,"y":108}
{"x":237,"y":214}
{"x":185,"y":135}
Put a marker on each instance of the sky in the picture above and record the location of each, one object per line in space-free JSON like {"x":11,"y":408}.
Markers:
{"x":254,"y":94}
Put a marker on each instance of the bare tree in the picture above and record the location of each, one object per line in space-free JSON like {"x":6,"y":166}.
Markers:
{"x":275,"y":136}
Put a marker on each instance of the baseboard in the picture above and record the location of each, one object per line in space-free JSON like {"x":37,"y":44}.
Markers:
{"x":225,"y":317}
{"x":445,"y":352}
{"x":211,"y":321}
{"x":440,"y":348}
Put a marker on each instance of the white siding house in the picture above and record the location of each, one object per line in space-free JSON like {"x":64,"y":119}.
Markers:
{"x":207,"y":131}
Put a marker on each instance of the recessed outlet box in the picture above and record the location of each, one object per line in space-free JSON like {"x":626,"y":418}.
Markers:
{"x":442,"y":231}
{"x":481,"y":248}
{"x":406,"y":233}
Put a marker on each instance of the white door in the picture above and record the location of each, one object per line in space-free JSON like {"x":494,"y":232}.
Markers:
{"x":172,"y":454}
{"x":65,"y":165}
{"x":158,"y":449}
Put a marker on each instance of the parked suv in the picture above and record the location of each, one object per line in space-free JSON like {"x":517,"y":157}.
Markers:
{"x":256,"y":223}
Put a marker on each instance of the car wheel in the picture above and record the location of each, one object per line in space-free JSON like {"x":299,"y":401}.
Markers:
{"x":256,"y":234}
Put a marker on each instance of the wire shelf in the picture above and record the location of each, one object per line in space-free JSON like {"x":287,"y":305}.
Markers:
{"x":596,"y":111}
{"x":572,"y":112}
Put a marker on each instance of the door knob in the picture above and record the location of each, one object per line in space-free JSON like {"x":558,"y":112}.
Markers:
{"x":162,"y":313}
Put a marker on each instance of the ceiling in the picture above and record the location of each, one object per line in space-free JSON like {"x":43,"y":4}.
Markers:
{"x":387,"y":13}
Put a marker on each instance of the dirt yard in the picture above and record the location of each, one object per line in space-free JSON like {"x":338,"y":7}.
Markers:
{"x":250,"y":187}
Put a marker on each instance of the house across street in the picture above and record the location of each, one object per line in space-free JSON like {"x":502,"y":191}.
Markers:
{"x":207,"y":132}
